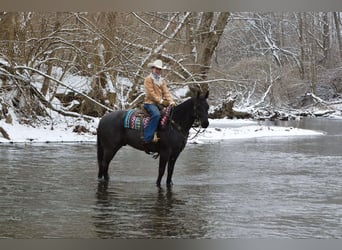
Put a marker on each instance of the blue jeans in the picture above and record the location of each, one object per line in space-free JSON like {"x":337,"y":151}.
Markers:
{"x":153,"y":123}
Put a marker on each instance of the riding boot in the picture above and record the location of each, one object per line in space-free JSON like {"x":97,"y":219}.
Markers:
{"x":155,"y":137}
{"x":149,"y":147}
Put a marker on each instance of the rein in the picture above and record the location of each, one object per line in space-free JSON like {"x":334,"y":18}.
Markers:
{"x":199,"y":131}
{"x":196,"y":120}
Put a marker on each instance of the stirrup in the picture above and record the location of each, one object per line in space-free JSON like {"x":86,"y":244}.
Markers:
{"x":155,"y":137}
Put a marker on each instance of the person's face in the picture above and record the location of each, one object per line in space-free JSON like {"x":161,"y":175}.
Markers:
{"x":156,"y":71}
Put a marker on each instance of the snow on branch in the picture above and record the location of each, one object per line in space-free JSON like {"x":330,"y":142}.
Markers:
{"x":267,"y":34}
{"x":64,"y":85}
{"x":204,"y":81}
{"x":175,"y":32}
{"x":167,"y":39}
{"x":264,"y":96}
{"x":156,"y":30}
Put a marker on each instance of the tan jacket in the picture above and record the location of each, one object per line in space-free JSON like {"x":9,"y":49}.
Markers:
{"x":155,"y":93}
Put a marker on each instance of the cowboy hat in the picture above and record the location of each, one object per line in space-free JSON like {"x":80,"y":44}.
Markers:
{"x":156,"y":64}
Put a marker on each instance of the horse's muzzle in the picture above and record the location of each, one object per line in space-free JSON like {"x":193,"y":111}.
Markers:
{"x":204,"y":124}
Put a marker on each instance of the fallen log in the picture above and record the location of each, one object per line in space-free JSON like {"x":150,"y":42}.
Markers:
{"x":226,"y":110}
{"x":4,"y":133}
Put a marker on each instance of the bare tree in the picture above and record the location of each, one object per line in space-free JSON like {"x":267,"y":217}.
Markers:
{"x":262,"y":58}
{"x":302,"y":41}
{"x":337,"y":21}
{"x":206,"y":38}
{"x":326,"y":39}
{"x":49,"y":62}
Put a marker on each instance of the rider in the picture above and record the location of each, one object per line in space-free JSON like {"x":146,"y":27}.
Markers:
{"x":156,"y":92}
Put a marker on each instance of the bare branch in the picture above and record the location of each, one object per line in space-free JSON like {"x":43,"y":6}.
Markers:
{"x":64,"y":85}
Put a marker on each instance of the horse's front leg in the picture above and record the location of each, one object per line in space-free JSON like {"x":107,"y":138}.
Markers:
{"x":170,"y":168}
{"x":162,"y":165}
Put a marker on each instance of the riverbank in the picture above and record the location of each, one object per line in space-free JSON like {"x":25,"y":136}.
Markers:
{"x":224,"y":129}
{"x":76,"y":130}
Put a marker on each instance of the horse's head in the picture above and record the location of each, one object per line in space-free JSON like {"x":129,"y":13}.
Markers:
{"x":201,"y":108}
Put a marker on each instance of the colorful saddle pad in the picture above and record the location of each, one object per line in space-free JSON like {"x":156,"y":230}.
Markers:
{"x":134,"y":119}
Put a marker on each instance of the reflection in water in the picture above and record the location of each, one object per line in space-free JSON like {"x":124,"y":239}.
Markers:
{"x":165,"y":220}
{"x":165,"y":202}
{"x":128,"y":215}
{"x":103,"y":217}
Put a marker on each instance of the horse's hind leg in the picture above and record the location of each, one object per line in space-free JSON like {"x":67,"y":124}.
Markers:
{"x":107,"y":157}
{"x":100,"y":154}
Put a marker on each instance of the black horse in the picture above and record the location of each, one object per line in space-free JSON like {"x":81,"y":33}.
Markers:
{"x":111,"y":136}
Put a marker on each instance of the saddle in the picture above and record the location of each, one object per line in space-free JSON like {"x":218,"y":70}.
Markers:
{"x":139,"y":118}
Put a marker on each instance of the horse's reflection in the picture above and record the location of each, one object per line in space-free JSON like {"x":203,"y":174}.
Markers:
{"x":123,"y":213}
{"x":165,"y":200}
{"x":166,"y":219}
{"x":102,"y":191}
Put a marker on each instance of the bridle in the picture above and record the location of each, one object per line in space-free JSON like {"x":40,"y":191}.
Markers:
{"x":196,"y":121}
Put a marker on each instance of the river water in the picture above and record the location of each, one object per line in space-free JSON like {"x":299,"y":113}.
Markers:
{"x":250,"y":188}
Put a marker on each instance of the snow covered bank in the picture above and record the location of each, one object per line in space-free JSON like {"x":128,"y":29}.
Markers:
{"x":224,"y":129}
{"x":219,"y":130}
{"x":61,"y":130}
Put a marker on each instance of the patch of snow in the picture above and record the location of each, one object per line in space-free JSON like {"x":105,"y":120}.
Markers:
{"x":218,"y":131}
{"x":181,"y":92}
{"x":224,"y":129}
{"x":124,"y":81}
{"x":4,"y":62}
{"x":58,"y":130}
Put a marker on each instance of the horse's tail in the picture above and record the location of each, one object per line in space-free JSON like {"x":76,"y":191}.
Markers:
{"x":99,"y":150}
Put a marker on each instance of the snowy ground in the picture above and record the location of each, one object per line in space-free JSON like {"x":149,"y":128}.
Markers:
{"x":218,"y":131}
{"x":224,"y":129}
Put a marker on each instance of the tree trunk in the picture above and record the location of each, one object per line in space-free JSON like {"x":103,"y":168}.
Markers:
{"x":227,"y":110}
{"x":8,"y":27}
{"x":338,"y":33}
{"x":4,"y":133}
{"x":313,"y":56}
{"x":326,"y":40}
{"x":46,"y":83}
{"x":208,"y":36}
{"x":301,"y":27}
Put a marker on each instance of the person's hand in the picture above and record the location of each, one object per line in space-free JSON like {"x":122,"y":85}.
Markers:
{"x":173,"y":104}
{"x":165,"y":103}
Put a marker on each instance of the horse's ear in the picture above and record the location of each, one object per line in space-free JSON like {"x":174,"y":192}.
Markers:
{"x":207,"y":94}
{"x":198,"y":94}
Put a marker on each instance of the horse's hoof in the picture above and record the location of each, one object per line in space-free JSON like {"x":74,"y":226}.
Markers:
{"x":101,"y":180}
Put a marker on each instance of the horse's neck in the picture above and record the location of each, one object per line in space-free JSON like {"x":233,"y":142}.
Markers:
{"x":183,"y":115}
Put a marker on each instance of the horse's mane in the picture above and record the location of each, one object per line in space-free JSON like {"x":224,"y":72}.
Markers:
{"x":183,"y":112}
{"x":184,"y":105}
